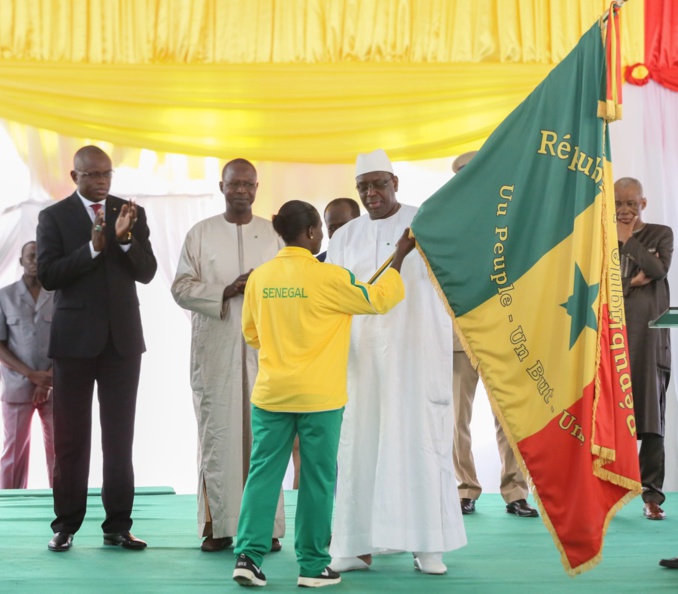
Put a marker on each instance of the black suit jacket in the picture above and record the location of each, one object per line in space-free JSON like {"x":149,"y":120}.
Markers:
{"x":94,"y":297}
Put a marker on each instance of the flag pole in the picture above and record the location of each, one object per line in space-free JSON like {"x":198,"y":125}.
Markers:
{"x":381,"y":268}
{"x":619,"y":4}
{"x":386,"y":264}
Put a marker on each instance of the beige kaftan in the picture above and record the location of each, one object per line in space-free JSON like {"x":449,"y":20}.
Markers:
{"x":223,"y":367}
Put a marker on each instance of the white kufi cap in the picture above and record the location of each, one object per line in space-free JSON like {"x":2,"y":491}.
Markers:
{"x":374,"y":161}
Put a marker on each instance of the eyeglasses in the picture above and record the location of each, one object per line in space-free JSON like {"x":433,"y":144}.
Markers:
{"x":377,"y":184}
{"x":96,"y":174}
{"x":235,"y":185}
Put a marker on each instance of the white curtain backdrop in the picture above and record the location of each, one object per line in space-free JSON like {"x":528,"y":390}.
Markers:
{"x":165,"y":448}
{"x":644,"y":145}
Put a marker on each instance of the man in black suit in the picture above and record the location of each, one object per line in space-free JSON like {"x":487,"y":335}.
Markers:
{"x":92,"y":249}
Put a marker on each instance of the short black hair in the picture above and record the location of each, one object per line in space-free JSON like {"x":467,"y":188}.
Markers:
{"x":293,"y":218}
{"x":85,"y":152}
{"x":234,"y":162}
{"x":352,"y":204}
{"x":25,"y":245}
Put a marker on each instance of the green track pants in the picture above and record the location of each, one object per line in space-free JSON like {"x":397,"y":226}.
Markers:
{"x":272,"y":438}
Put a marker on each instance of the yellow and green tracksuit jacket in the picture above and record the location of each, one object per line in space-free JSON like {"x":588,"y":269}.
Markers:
{"x":297,"y":312}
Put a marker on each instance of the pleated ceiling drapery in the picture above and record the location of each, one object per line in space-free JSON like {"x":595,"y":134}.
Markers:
{"x":310,"y":81}
{"x":316,"y":113}
{"x":285,"y":31}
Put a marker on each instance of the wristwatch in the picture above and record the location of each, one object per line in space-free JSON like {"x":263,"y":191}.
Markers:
{"x":126,"y":240}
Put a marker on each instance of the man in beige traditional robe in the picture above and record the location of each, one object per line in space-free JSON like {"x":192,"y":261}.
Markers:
{"x":217,"y":257}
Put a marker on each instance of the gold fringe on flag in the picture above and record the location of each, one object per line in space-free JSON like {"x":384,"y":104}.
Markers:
{"x":610,"y":109}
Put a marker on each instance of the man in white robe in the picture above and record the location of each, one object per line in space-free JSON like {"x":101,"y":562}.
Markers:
{"x":217,"y":257}
{"x":396,"y":488}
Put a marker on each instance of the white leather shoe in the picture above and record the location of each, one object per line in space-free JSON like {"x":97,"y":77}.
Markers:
{"x":430,"y":563}
{"x":343,"y":564}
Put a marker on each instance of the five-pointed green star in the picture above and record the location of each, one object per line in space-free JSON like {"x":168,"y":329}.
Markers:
{"x":580,"y":306}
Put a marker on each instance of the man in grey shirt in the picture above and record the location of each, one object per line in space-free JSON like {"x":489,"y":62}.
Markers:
{"x":25,"y":318}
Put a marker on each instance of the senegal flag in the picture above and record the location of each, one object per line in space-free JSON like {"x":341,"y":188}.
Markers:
{"x":522,"y":245}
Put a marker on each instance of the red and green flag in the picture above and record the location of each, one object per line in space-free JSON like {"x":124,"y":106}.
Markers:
{"x":522,"y":245}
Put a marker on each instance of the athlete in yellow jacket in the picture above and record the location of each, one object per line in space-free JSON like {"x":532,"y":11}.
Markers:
{"x":297,"y":312}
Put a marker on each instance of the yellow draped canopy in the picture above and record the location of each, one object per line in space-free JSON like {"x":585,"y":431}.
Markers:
{"x":312,"y":81}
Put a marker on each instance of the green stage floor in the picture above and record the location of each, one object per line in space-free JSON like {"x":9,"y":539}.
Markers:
{"x":505,"y":554}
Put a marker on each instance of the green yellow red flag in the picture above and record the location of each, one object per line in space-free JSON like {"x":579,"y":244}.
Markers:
{"x":522,"y":245}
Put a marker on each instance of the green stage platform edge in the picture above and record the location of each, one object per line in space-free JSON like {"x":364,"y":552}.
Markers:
{"x":90,"y":492}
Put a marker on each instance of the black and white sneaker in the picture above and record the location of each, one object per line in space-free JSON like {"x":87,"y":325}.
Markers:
{"x":246,"y":573}
{"x":327,"y":578}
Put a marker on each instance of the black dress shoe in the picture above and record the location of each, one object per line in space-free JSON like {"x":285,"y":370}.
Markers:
{"x":61,"y":541}
{"x":468,"y":506}
{"x":521,"y":508}
{"x":670,"y":563}
{"x":124,"y":540}
{"x":276,"y":545}
{"x":212,"y":545}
